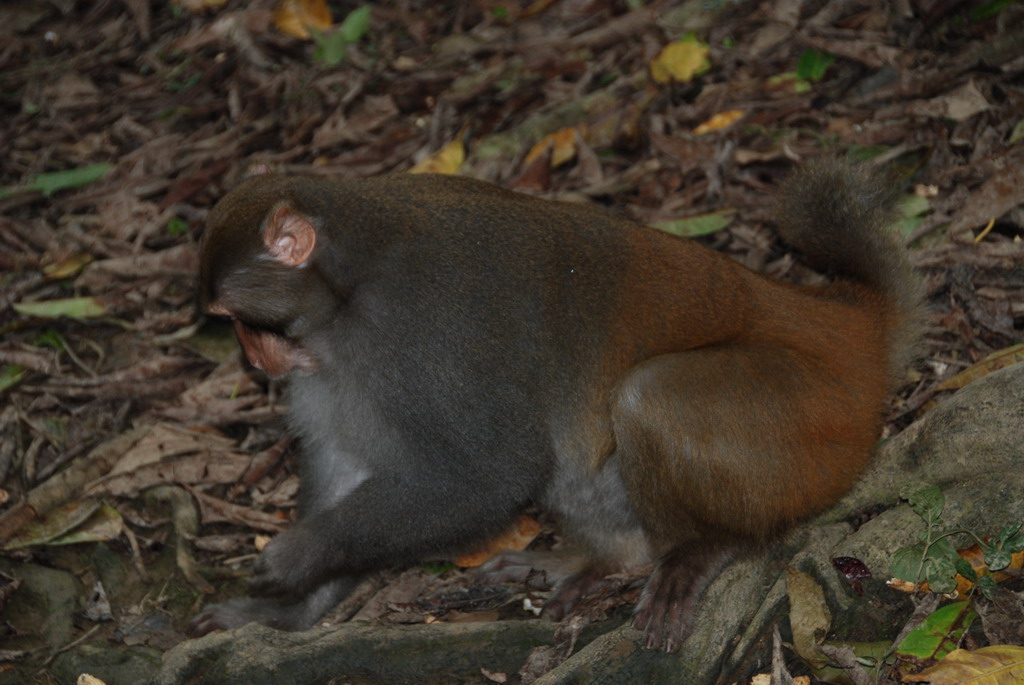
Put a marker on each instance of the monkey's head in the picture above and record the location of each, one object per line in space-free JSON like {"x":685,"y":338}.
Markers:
{"x":259,"y":268}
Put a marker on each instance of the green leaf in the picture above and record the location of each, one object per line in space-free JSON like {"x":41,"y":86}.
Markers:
{"x":331,"y":47}
{"x":906,"y":562}
{"x":356,"y":24}
{"x":1008,"y":533}
{"x":1017,"y":134}
{"x":912,"y":209}
{"x":72,"y":178}
{"x":989,"y":9}
{"x":1015,"y":544}
{"x":177,"y":226}
{"x":702,"y":224}
{"x":862,"y":153}
{"x":986,"y":585}
{"x":51,"y":338}
{"x":104,"y":525}
{"x":940,"y":578}
{"x":439,"y":567}
{"x":10,"y":375}
{"x":77,"y":521}
{"x":178,"y":86}
{"x":913,"y":205}
{"x":56,"y":523}
{"x":964,"y":568}
{"x":215,"y":341}
{"x":813,"y":64}
{"x":998,"y":559}
{"x":940,"y":566}
{"x":939,"y":633}
{"x":928,"y":503}
{"x":870,"y":655}
{"x":72,"y":307}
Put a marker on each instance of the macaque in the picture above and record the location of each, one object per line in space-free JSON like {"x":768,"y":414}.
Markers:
{"x":456,"y":352}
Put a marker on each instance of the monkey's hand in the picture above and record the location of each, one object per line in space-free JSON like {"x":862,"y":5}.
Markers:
{"x":290,"y":564}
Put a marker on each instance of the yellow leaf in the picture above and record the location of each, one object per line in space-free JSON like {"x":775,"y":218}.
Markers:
{"x":66,"y":267}
{"x":515,"y":539}
{"x":809,"y":616}
{"x":562,"y":143}
{"x":680,"y":61}
{"x":447,"y":160}
{"x":999,"y":359}
{"x":996,"y":665}
{"x":719,"y":121}
{"x":294,"y":17}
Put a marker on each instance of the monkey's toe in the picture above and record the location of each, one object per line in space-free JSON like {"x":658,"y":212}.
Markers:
{"x":572,"y":590}
{"x":221,"y":617}
{"x":670,"y":598}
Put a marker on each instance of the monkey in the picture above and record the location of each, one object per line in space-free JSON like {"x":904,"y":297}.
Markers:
{"x":456,"y":352}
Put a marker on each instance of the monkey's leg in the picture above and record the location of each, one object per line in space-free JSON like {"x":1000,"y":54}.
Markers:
{"x":722,"y":449}
{"x":283,"y":613}
{"x":595,"y":512}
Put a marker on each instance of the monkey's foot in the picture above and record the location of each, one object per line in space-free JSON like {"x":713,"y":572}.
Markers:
{"x":575,"y":579}
{"x":536,"y":570}
{"x":283,"y":613}
{"x":271,"y":612}
{"x":670,"y":597}
{"x":291,"y":565}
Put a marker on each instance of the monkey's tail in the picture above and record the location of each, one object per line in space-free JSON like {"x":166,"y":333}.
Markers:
{"x":837,"y":214}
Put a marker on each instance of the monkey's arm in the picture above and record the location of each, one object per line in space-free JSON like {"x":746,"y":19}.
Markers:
{"x":386,"y":520}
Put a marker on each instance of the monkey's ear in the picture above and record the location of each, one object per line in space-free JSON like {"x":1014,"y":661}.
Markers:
{"x":289,"y":238}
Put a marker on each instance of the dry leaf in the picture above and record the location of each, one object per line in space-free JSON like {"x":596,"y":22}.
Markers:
{"x":562,"y":143}
{"x":719,"y":121}
{"x":294,"y":17}
{"x":517,"y":538}
{"x":261,"y":541}
{"x":959,"y":104}
{"x":86,"y":679}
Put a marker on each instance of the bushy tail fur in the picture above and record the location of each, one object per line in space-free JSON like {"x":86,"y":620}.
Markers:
{"x":837,"y":214}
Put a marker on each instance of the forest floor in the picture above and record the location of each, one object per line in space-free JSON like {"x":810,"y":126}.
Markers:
{"x":129,"y":423}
